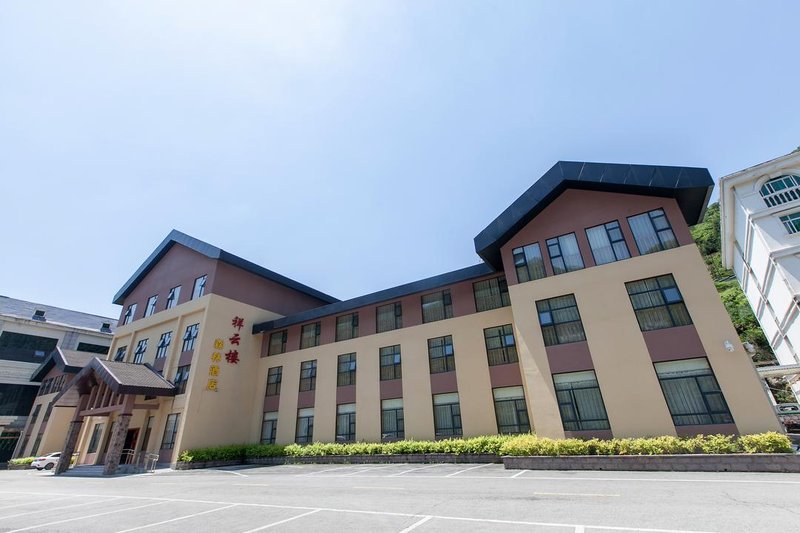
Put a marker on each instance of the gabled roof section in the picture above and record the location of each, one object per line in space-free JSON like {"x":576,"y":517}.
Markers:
{"x":56,"y":315}
{"x":212,"y":252}
{"x":68,"y":361}
{"x":690,"y":186}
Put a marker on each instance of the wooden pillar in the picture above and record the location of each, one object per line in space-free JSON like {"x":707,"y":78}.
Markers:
{"x":72,"y":436}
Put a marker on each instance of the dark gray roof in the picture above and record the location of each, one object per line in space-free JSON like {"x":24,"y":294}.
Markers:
{"x":131,"y":378}
{"x":68,"y":361}
{"x":385,"y":295}
{"x":691,"y":187}
{"x":212,"y":252}
{"x":55,"y":315}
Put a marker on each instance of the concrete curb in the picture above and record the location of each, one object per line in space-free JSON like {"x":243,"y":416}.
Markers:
{"x":416,"y":458}
{"x":767,"y":462}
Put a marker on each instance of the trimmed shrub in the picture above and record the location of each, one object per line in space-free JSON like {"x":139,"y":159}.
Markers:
{"x":770,"y":442}
{"x":22,"y":461}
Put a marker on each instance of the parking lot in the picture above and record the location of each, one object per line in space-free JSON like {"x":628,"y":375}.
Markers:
{"x":399,"y":498}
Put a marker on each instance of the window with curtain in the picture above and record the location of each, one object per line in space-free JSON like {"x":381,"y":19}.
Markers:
{"x":138,"y":354}
{"x":199,"y":287}
{"x":565,"y":256}
{"x":346,"y":422}
{"x":658,"y":303}
{"x":181,"y":378}
{"x":692,"y":393}
{"x":170,"y":431}
{"x":510,"y":410}
{"x":269,"y":427}
{"x":308,"y":375}
{"x":501,"y":348}
{"x":437,"y":306}
{"x":309,"y":335}
{"x":94,"y":442}
{"x":346,"y":374}
{"x":579,"y":401}
{"x":652,"y":232}
{"x":163,"y":345}
{"x":392,"y":421}
{"x":446,"y":415}
{"x":120,"y":355}
{"x":391,"y":366}
{"x":304,"y":430}
{"x":277,"y":342}
{"x":389,"y":317}
{"x":189,"y":337}
{"x":172,"y":297}
{"x":346,"y":327}
{"x":528,"y":262}
{"x":791,"y":222}
{"x":440,"y":354}
{"x":491,"y":294}
{"x":560,"y":320}
{"x":150,"y":308}
{"x":274,"y":377}
{"x":607,"y":243}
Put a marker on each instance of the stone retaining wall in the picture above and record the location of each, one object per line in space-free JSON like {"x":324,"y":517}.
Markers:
{"x":777,"y":462}
{"x":349,"y":459}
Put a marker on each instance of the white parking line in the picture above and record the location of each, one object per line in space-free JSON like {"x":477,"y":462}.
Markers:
{"x":518,"y":474}
{"x":467,"y":470}
{"x":416,"y":524}
{"x":87,"y":516}
{"x":412,"y":470}
{"x":36,"y":502}
{"x":283,"y":521}
{"x":235,"y":473}
{"x":178,"y":518}
{"x":38,"y":511}
{"x":325,"y":470}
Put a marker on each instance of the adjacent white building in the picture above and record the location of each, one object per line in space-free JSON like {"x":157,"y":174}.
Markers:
{"x":760,"y":217}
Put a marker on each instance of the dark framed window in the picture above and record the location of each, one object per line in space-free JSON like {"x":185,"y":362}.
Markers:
{"x":172,"y":297}
{"x":138,"y":354}
{"x":269,"y":427}
{"x":163,"y":345}
{"x":92,"y":348}
{"x":511,"y":410}
{"x":491,"y":294}
{"x":309,"y":335}
{"x":346,"y":327}
{"x":199,"y":287}
{"x":440,"y":354}
{"x":170,"y":431}
{"x":130,"y":314}
{"x":392,"y":421}
{"x":501,"y":348}
{"x":274,"y":377}
{"x":304,"y":432}
{"x":389,"y":317}
{"x":607,"y":243}
{"x":692,"y":393}
{"x":346,"y":422}
{"x":658,"y":303}
{"x":791,"y":222}
{"x":181,"y":378}
{"x":94,"y":441}
{"x":446,"y":415}
{"x":277,"y":342}
{"x":391,"y":366}
{"x":437,"y":306}
{"x":580,"y":402}
{"x":560,"y":320}
{"x":189,"y":337}
{"x":652,"y":232}
{"x":346,"y":373}
{"x":528,"y":262}
{"x":565,"y":255}
{"x":308,"y":375}
{"x":41,"y":346}
{"x":120,"y":355}
{"x":781,"y":190}
{"x":150,"y":308}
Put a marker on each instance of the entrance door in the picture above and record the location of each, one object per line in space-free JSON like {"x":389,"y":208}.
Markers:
{"x":130,"y":442}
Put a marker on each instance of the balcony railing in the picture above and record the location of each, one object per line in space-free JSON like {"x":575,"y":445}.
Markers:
{"x":781,"y":190}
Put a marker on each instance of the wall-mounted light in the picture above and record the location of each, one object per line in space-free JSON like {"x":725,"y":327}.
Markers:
{"x":729,"y":346}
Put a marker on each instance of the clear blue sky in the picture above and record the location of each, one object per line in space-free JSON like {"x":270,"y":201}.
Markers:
{"x":352,"y":146}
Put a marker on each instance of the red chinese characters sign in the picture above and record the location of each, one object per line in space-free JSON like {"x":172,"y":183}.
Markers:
{"x":231,"y":356}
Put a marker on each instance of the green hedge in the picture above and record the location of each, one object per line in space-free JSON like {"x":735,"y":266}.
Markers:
{"x":506,"y":445}
{"x":22,"y":461}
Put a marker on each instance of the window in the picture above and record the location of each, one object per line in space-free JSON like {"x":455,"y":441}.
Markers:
{"x":305,"y":426}
{"x":528,"y":262}
{"x":199,"y":287}
{"x":94,"y":442}
{"x":129,"y":315}
{"x":170,"y":431}
{"x":138,"y":354}
{"x":92,"y":348}
{"x":346,"y":374}
{"x":391,"y":367}
{"x":560,"y":320}
{"x":510,"y":410}
{"x":658,"y":303}
{"x":308,"y":375}
{"x":791,"y":222}
{"x":120,"y":355}
{"x":446,"y":415}
{"x":269,"y":428}
{"x":309,"y":335}
{"x":274,"y":376}
{"x":181,"y":377}
{"x":607,"y":243}
{"x":189,"y":337}
{"x":501,"y":348}
{"x":150,"y":308}
{"x":652,"y":232}
{"x":346,"y":327}
{"x":580,"y":402}
{"x":21,"y":341}
{"x":389,"y":317}
{"x":437,"y":306}
{"x":277,"y":342}
{"x":565,"y":256}
{"x":780,"y":190}
{"x":491,"y":294}
{"x":346,"y":422}
{"x":692,"y":393}
{"x":172,"y":297}
{"x":392,"y":423}
{"x":440,"y":354}
{"x":163,"y":345}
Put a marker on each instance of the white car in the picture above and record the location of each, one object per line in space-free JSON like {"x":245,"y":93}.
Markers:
{"x":46,"y":462}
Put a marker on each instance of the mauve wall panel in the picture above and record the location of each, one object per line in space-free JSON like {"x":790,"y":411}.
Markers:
{"x":346,"y":394}
{"x":572,"y":357}
{"x":186,"y":358}
{"x":392,"y":388}
{"x":505,"y":375}
{"x":443,"y":382}
{"x":671,"y":344}
{"x":710,"y":429}
{"x":305,"y":399}
{"x":271,"y":403}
